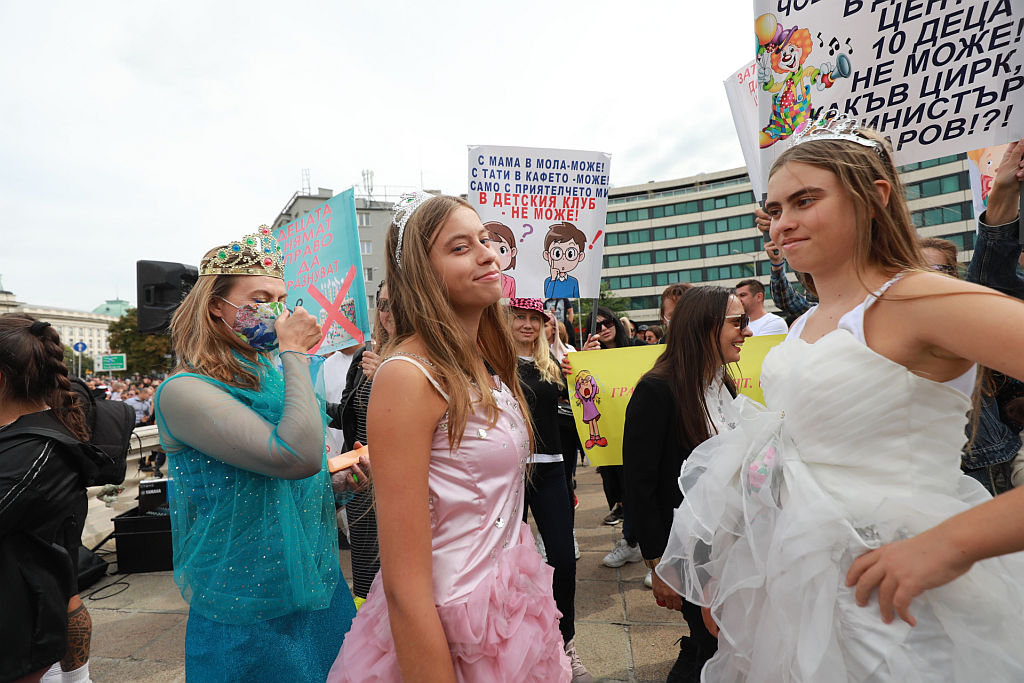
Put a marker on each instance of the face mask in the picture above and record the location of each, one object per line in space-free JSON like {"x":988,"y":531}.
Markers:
{"x":254,"y":324}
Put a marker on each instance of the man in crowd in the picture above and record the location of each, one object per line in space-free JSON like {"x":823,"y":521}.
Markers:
{"x":751,"y":295}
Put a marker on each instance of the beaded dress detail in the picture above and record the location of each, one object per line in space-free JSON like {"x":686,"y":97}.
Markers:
{"x":491,"y":588}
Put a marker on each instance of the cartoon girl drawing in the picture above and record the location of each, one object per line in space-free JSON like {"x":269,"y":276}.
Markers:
{"x":587,"y":390}
{"x":783,"y":52}
{"x":505,"y":245}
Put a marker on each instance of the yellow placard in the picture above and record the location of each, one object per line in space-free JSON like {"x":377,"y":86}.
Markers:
{"x":602,"y":382}
{"x":747,"y":373}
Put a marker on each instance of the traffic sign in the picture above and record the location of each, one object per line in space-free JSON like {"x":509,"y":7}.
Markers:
{"x":79,"y":347}
{"x":116,"y":361}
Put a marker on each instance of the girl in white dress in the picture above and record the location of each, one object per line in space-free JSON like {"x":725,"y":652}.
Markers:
{"x":859,"y":446}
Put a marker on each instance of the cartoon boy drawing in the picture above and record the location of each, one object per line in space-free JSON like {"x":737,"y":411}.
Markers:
{"x":783,"y":52}
{"x":586,"y":396}
{"x":505,"y":245}
{"x":563,"y":250}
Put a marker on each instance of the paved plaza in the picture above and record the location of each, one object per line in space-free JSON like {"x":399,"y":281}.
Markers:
{"x":621,"y":635}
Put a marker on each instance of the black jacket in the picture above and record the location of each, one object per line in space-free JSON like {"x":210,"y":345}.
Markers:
{"x":542,"y":400}
{"x":42,"y":512}
{"x":652,"y":455}
{"x":343,"y":413}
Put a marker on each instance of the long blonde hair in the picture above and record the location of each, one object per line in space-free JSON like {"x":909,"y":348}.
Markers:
{"x":886,"y":236}
{"x":550,"y":370}
{"x":420,"y":308}
{"x":203,"y":343}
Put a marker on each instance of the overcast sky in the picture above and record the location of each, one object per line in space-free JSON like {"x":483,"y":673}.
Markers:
{"x":155,"y":130}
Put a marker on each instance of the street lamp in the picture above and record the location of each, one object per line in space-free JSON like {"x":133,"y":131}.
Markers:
{"x":753,"y":261}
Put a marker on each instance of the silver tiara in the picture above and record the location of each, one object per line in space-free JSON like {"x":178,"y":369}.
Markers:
{"x":404,"y":208}
{"x":831,"y":125}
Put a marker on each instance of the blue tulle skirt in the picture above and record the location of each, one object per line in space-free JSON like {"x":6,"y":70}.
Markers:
{"x":295,"y":647}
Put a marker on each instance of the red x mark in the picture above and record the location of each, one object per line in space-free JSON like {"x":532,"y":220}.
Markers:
{"x":333,"y":310}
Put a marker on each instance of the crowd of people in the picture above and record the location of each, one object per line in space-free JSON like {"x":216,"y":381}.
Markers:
{"x":844,"y":530}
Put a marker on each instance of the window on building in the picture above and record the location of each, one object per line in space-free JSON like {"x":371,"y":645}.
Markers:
{"x":365,"y":247}
{"x":368,"y":272}
{"x":363,"y":218}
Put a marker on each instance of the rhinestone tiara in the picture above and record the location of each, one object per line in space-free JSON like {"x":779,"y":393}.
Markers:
{"x":832,"y":125}
{"x":255,"y":254}
{"x":404,"y":209}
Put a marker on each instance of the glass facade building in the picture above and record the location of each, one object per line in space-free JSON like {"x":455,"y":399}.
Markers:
{"x":701,"y":229}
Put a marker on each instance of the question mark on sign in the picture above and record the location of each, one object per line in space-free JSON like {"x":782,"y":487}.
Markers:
{"x":989,"y":120}
{"x":527,"y":233}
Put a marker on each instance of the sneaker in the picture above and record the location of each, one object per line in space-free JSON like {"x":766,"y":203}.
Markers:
{"x":691,"y":660}
{"x":575,"y":545}
{"x":622,"y":553}
{"x":648,"y":581}
{"x":579,"y":672}
{"x":540,"y":547}
{"x":615,"y":516}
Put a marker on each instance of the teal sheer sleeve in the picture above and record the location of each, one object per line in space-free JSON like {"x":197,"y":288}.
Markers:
{"x":202,"y":415}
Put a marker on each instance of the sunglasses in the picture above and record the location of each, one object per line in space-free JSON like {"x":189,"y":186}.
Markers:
{"x":742,"y":320}
{"x":384,"y":305}
{"x":605,"y":324}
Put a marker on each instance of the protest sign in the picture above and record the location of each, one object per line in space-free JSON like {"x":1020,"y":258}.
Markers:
{"x":981,"y":169}
{"x":742,"y":90}
{"x":603,"y":381}
{"x":323,"y":270}
{"x":546,"y":211}
{"x":937,"y":77}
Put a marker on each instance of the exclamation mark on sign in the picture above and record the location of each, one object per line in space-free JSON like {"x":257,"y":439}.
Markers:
{"x":594,"y":241}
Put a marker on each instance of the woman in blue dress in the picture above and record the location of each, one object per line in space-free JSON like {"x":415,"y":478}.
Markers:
{"x":252,"y":511}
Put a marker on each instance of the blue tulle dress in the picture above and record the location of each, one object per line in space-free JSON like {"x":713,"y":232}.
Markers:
{"x":253,"y":525}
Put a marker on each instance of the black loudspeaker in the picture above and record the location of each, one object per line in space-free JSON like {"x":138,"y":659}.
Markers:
{"x":160,"y":287}
{"x":91,"y":568}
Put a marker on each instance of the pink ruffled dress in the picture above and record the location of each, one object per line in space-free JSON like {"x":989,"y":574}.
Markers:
{"x":491,"y":588}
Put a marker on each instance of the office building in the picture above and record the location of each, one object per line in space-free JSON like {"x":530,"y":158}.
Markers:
{"x":701,"y":229}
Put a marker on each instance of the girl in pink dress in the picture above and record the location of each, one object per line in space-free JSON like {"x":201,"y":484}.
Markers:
{"x":462,"y":594}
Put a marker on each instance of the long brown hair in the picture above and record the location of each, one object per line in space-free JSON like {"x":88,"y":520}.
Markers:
{"x":33,"y":369}
{"x":420,"y":307}
{"x":692,"y":359}
{"x":886,"y":236}
{"x":203,"y":342}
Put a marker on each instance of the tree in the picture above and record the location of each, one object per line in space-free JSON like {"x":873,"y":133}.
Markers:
{"x":71,"y":361}
{"x":146,"y":354}
{"x":607,"y":298}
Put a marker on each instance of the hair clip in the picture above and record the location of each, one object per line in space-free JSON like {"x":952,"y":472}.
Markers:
{"x":404,"y":208}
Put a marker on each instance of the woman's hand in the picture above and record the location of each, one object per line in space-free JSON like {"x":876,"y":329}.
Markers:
{"x":709,"y":621}
{"x":593,"y":343}
{"x":369,"y":363}
{"x":903,"y":570}
{"x":774,"y":253}
{"x":354,"y":478}
{"x":296,"y":330}
{"x":663,"y":595}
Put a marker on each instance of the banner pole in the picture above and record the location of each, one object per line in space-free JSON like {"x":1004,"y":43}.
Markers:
{"x":1020,"y":214}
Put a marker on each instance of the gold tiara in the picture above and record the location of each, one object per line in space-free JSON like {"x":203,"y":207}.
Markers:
{"x":255,"y":254}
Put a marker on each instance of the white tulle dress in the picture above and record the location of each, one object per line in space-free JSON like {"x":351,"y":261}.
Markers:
{"x":853,"y":451}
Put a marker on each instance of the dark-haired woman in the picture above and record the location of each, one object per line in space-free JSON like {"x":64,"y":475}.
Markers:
{"x":684,"y":399}
{"x":44,"y":468}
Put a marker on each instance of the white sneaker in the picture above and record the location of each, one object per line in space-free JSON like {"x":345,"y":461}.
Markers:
{"x":622,"y":553}
{"x":539,"y":540}
{"x":579,"y":672}
{"x":575,"y":545}
{"x":647,"y":579}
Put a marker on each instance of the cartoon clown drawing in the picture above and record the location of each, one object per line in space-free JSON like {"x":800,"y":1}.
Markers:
{"x":781,"y":55}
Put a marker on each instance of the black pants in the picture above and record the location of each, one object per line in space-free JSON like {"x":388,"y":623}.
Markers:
{"x":552,"y":510}
{"x":362,"y":536}
{"x":570,"y":452}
